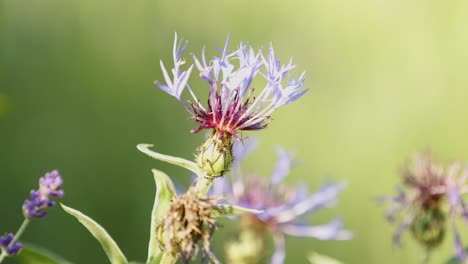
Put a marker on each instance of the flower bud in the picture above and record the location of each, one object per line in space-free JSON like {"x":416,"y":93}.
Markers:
{"x":428,"y":227}
{"x":214,"y":157}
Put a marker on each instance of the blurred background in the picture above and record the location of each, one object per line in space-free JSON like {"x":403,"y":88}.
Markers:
{"x":387,"y":78}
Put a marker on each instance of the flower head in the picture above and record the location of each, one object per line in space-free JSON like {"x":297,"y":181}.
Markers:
{"x":49,"y":186}
{"x":430,"y":189}
{"x":7,"y":244}
{"x":232,"y":106}
{"x":189,"y":220}
{"x":284,"y":208}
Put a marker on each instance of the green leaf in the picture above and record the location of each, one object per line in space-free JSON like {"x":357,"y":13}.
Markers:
{"x":228,"y":209}
{"x":189,"y":165}
{"x":37,"y":255}
{"x":113,"y":251}
{"x":165,"y":191}
{"x":315,"y":258}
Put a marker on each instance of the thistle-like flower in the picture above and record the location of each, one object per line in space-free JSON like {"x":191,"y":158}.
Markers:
{"x":49,"y":186}
{"x":283,"y":208}
{"x":7,"y":246}
{"x":432,"y":197}
{"x":190,"y":219}
{"x":231,"y":104}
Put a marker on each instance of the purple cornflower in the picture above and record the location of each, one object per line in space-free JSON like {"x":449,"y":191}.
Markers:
{"x":49,"y":186}
{"x":232,"y":105}
{"x":5,"y":242}
{"x":284,"y":208}
{"x":429,"y":188}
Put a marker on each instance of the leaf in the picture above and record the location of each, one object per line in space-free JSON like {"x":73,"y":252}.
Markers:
{"x":189,"y":165}
{"x":315,"y":258}
{"x":228,"y":209}
{"x":111,"y":248}
{"x":37,"y":255}
{"x":165,"y":191}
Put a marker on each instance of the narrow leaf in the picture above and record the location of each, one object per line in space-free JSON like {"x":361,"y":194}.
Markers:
{"x":165,"y":191}
{"x":111,"y":248}
{"x":34,"y":254}
{"x":189,"y":165}
{"x":228,"y":209}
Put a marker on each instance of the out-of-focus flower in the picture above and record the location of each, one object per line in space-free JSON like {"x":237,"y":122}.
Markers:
{"x":430,"y":190}
{"x":7,"y":245}
{"x":49,"y":186}
{"x":232,"y":105}
{"x":284,"y":208}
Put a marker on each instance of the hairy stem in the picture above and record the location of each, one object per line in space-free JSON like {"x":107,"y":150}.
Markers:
{"x":203,"y":185}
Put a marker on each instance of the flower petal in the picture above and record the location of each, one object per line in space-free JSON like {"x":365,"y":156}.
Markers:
{"x":323,"y":198}
{"x":331,"y":231}
{"x":280,"y":251}
{"x":283,"y":165}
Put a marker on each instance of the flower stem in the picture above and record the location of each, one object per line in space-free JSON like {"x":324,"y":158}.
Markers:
{"x":203,"y":185}
{"x":18,"y":234}
{"x":167,"y":259}
{"x":425,"y":256}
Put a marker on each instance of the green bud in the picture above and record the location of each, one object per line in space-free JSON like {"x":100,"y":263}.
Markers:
{"x":247,"y":249}
{"x":428,"y":227}
{"x":214,"y":157}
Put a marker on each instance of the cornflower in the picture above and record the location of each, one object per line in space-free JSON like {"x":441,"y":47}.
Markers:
{"x":431,"y":197}
{"x":284,"y":208}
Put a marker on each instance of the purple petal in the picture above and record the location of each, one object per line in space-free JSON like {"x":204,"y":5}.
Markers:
{"x":14,"y":249}
{"x":220,"y":186}
{"x":323,"y":198}
{"x":283,"y":165}
{"x":401,"y":229}
{"x":280,"y":251}
{"x":461,"y":254}
{"x":6,"y":240}
{"x":331,"y":231}
{"x":242,"y":148}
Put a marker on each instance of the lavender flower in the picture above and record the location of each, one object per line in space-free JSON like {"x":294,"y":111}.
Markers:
{"x":429,"y":187}
{"x":49,"y":186}
{"x":7,"y":245}
{"x":231,"y":104}
{"x":283,"y":208}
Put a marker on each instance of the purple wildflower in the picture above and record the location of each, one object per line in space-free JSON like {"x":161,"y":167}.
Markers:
{"x":7,"y":245}
{"x":429,"y":187}
{"x":49,"y":186}
{"x":283,"y":208}
{"x":232,"y":105}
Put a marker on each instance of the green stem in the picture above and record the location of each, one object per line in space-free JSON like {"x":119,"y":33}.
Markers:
{"x":167,"y":259}
{"x":203,"y":185}
{"x":18,"y":234}
{"x":425,"y":256}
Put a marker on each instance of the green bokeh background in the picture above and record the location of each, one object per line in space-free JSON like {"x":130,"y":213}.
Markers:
{"x":387,"y":78}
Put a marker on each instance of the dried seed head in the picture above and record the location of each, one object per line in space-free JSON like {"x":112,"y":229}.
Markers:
{"x":188,"y":221}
